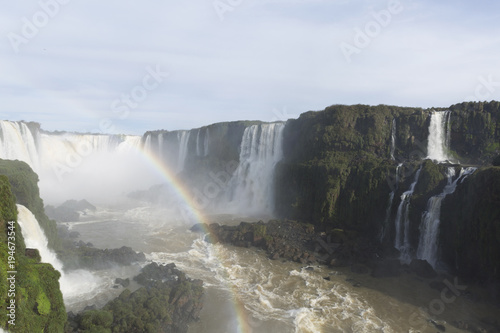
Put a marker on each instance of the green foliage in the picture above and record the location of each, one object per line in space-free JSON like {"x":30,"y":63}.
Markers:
{"x":39,"y":302}
{"x":476,"y":131}
{"x":42,"y":304}
{"x":96,"y":321}
{"x":24,"y":184}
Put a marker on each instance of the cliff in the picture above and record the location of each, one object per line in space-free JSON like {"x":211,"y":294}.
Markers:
{"x":24,"y":184}
{"x":470,"y":227}
{"x":39,"y":305}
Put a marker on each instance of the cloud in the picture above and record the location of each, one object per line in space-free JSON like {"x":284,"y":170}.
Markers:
{"x":263,"y":55}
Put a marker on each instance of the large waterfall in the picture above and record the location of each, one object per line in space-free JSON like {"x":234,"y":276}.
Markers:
{"x":251,"y":187}
{"x":74,"y":284}
{"x":439,"y":136}
{"x":429,"y":227}
{"x":402,"y":240}
{"x":17,"y":142}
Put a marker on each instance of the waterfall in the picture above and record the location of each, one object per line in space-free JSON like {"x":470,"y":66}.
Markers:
{"x":17,"y":142}
{"x":251,"y":186}
{"x":198,"y":150}
{"x":74,"y":284}
{"x":183,"y":138}
{"x":206,"y":143}
{"x":402,"y":239}
{"x":439,"y":136}
{"x":393,"y":138}
{"x":429,"y":227}
{"x":34,"y":237}
{"x":390,"y":202}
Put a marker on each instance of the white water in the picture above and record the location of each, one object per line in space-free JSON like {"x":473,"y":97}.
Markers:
{"x":206,"y":143}
{"x":17,"y":142}
{"x":429,"y":227}
{"x":65,"y":162}
{"x":286,"y":298}
{"x":76,"y":284}
{"x":393,"y":138}
{"x":390,"y":202}
{"x":402,"y":239}
{"x":251,"y":186}
{"x":439,"y":137}
{"x":183,"y":138}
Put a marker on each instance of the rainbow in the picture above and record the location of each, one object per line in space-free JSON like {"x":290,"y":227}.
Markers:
{"x":193,"y":214}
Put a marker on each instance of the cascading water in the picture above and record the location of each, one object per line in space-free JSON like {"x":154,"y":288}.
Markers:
{"x":439,"y":136}
{"x":73,"y":284}
{"x":198,"y":150}
{"x":429,"y":227}
{"x":402,"y":239}
{"x":251,"y":186}
{"x":18,"y":142}
{"x":393,"y":138}
{"x":206,"y":143}
{"x":183,"y":137}
{"x":395,"y":187}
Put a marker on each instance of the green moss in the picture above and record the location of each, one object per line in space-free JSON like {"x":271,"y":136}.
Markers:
{"x":42,"y":304}
{"x":39,"y":302}
{"x":24,"y":184}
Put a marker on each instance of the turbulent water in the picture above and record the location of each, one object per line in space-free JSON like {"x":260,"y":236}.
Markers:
{"x":439,"y":136}
{"x":76,"y":285}
{"x":250,"y":190}
{"x":247,"y":292}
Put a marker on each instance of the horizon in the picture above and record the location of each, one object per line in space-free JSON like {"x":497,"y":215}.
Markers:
{"x":98,"y":132}
{"x":74,"y":66}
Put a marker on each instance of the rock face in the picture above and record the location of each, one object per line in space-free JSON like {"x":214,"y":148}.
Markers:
{"x":281,"y":239}
{"x":41,"y":308}
{"x":167,"y":303}
{"x":92,"y":258}
{"x":422,"y":268}
{"x":69,"y":211}
{"x":470,"y":227}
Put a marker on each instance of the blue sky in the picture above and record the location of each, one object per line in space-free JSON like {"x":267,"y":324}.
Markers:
{"x":129,"y":66}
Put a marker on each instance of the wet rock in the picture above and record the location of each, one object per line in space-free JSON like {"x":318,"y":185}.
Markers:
{"x":360,"y":269}
{"x":33,"y":254}
{"x":122,"y":282}
{"x":387,"y":268}
{"x":422,"y":268}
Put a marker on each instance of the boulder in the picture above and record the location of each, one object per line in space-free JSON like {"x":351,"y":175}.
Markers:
{"x":387,"y":268}
{"x":422,"y":268}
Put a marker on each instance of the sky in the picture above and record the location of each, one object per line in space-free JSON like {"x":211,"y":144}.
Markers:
{"x":132,"y":66}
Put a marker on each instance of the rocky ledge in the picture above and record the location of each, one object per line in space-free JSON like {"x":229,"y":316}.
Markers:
{"x":166,"y":303}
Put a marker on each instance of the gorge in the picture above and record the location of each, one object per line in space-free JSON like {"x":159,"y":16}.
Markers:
{"x":373,"y":186}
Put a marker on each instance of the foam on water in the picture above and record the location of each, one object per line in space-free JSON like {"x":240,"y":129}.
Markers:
{"x":298,"y":298}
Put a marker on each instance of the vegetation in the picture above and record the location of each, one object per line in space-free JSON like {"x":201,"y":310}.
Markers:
{"x":24,"y":183}
{"x":166,"y":303}
{"x":38,"y":299}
